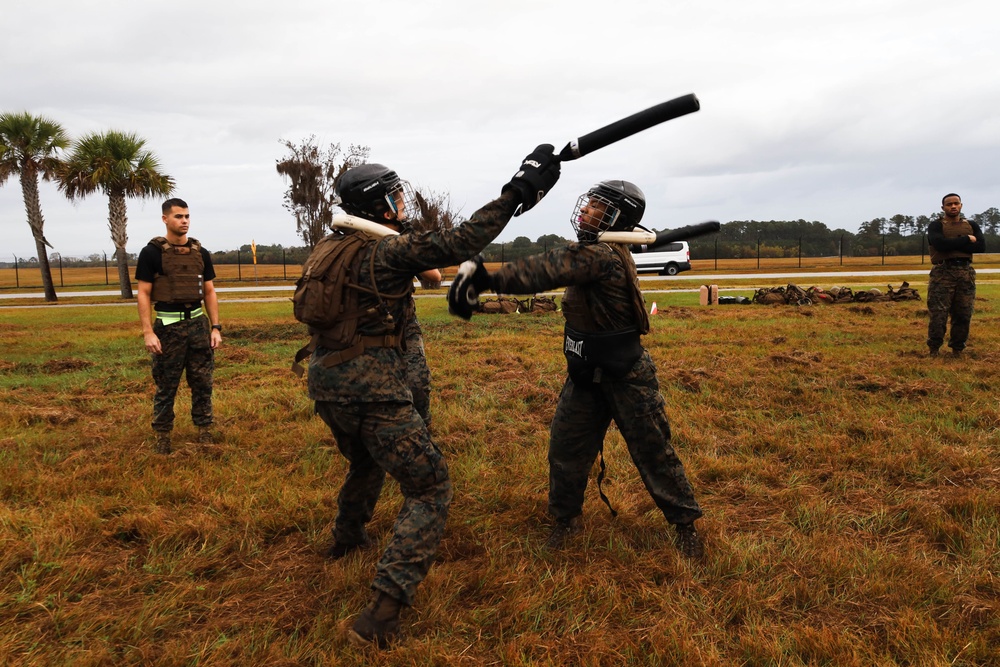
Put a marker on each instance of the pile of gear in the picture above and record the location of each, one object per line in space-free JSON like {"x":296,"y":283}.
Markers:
{"x":503,"y":305}
{"x":795,"y":295}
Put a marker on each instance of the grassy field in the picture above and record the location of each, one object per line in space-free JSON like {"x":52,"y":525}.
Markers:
{"x":851,"y":487}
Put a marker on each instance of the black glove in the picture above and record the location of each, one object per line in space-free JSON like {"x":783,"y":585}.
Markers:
{"x":471,"y":280}
{"x":538,"y":173}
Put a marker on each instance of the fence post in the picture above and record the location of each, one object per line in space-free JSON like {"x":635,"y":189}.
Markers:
{"x":800,"y":251}
{"x":284,"y":268}
{"x":107,"y":281}
{"x":17,"y":274}
{"x":716,"y":253}
{"x":501,"y":253}
{"x":239,"y":266}
{"x":61,"y":284}
{"x":758,"y":252}
{"x":841,"y":249}
{"x":923,"y":237}
{"x":883,"y":250}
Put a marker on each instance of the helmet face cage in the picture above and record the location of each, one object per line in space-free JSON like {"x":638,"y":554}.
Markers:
{"x":608,"y":206}
{"x":400,"y":197}
{"x":593,"y":214}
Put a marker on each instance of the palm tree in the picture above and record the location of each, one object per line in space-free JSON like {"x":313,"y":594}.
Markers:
{"x":117,"y":164}
{"x":29,"y":146}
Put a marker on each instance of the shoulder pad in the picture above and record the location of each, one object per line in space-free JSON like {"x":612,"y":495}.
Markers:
{"x":160,"y":242}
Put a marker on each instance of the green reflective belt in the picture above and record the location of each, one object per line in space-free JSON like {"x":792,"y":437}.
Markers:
{"x":174,"y":318}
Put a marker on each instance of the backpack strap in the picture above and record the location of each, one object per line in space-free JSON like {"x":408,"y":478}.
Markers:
{"x":334,"y":358}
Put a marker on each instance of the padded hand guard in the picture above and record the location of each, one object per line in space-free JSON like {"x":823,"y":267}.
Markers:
{"x":538,"y":173}
{"x":472,"y":279}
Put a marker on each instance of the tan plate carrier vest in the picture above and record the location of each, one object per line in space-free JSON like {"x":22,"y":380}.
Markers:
{"x":183,"y":276}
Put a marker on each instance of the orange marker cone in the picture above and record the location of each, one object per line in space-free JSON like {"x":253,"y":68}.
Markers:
{"x":652,"y":311}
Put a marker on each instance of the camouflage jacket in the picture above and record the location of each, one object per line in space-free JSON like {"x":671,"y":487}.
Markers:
{"x":379,"y":374}
{"x":602,"y":288}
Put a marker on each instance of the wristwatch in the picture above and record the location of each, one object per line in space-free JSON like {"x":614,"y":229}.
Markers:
{"x":217,"y":327}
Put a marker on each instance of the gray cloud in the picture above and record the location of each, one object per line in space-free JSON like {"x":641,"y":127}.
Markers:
{"x":837,"y":112}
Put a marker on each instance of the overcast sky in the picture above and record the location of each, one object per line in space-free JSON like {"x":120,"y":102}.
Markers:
{"x":832,"y":111}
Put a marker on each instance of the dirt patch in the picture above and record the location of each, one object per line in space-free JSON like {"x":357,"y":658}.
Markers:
{"x":67,"y":365}
{"x":48,"y":415}
{"x":690,"y":380}
{"x":797,"y":357}
{"x":279,"y":331}
{"x":915,"y":389}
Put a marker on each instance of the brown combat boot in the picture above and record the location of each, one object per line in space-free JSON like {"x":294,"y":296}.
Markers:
{"x":162,"y":444}
{"x":205,"y":436}
{"x":338,"y":550}
{"x":689,"y":541}
{"x":379,"y":623}
{"x":562,"y":531}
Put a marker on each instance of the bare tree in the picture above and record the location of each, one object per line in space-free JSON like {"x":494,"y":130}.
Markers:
{"x":436,"y":212}
{"x":312,"y":174}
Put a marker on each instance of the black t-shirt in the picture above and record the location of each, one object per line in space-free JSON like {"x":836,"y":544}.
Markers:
{"x":150,"y":264}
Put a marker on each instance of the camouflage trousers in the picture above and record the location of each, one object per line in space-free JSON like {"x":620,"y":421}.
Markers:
{"x":186,"y":348}
{"x":581,"y":421}
{"x":380,"y":438}
{"x":418,"y":374}
{"x":950,"y":292}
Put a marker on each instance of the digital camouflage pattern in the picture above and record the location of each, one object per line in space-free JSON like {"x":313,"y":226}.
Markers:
{"x":505,"y":305}
{"x":368,"y":404}
{"x":380,"y":438}
{"x":380,"y":373}
{"x":796,"y":296}
{"x":950,"y":292}
{"x":951,"y":289}
{"x":418,"y":373}
{"x":186,"y":349}
{"x":577,"y":434}
{"x":602,"y":295}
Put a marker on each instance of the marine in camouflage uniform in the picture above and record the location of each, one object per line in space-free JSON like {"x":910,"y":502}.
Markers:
{"x":367,"y":401}
{"x":175,"y":274}
{"x":951,"y":290}
{"x":611,"y":376}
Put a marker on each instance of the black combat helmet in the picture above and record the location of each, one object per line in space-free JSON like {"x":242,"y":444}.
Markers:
{"x":371,"y":190}
{"x":608,"y":206}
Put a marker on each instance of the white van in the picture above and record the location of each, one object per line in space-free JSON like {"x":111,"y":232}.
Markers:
{"x":669,"y":259}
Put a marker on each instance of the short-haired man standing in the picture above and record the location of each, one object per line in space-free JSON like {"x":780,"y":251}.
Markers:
{"x":952,"y":287}
{"x":175,"y":274}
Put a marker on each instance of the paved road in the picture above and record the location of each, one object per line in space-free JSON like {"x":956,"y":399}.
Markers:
{"x":703,"y":278}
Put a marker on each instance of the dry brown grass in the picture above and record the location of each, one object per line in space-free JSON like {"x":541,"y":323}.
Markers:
{"x":850,"y":486}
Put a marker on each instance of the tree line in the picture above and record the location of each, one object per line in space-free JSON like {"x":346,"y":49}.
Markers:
{"x":118,"y":165}
{"x":898,"y":235}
